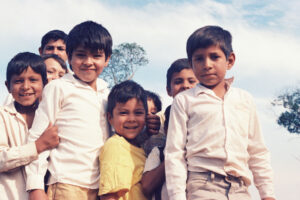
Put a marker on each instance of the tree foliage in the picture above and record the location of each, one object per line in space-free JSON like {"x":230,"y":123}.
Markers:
{"x":125,"y":60}
{"x":290,"y":118}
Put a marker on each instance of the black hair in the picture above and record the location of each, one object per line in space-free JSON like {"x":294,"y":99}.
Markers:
{"x":90,"y":35}
{"x":167,"y":117}
{"x":21,"y":62}
{"x":208,"y":36}
{"x":57,"y":59}
{"x":155,"y":98}
{"x":125,"y":91}
{"x":176,"y":67}
{"x":53,"y":35}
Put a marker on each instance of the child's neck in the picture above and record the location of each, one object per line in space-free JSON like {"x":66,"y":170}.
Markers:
{"x":220,"y":89}
{"x":27,"y":112}
{"x":131,"y":141}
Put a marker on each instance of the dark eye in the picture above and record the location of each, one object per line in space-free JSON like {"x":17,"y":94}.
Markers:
{"x":34,"y":80}
{"x":123,"y":113}
{"x":18,"y":81}
{"x":80,"y":55}
{"x":178,"y":81}
{"x":49,"y":48}
{"x":214,"y":57}
{"x":61,"y":48}
{"x":192,"y":81}
{"x":140,"y":112}
{"x":50,"y":72}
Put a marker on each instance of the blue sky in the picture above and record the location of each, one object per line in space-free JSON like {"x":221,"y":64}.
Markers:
{"x":266,"y":41}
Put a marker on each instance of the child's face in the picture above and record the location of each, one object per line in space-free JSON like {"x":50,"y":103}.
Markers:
{"x":210,"y":66}
{"x":152,"y":110}
{"x":183,"y":80}
{"x":27,"y":87}
{"x":87,"y":65}
{"x":128,"y":119}
{"x":54,"y":69}
{"x":57,"y":47}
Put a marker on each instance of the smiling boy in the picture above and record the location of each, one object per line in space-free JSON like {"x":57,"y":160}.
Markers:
{"x":122,"y":159}
{"x":214,"y":136}
{"x":76,"y":104}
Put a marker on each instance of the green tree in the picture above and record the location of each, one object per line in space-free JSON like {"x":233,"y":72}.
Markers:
{"x":125,"y":60}
{"x":290,"y":117}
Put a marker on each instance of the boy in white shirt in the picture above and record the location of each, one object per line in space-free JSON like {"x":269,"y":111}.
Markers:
{"x":76,"y":104}
{"x":25,"y":79}
{"x":214,"y":136}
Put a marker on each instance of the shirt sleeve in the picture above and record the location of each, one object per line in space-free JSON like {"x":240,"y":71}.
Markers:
{"x":175,"y":162}
{"x":46,"y":113}
{"x":153,"y":160}
{"x":259,"y":158}
{"x":115,"y":169}
{"x":14,"y":157}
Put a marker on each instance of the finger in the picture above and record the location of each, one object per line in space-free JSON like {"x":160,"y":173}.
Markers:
{"x":49,"y":125}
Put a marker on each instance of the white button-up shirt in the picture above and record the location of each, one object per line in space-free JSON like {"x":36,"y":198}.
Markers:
{"x":14,"y":154}
{"x":79,"y":112}
{"x":207,"y":133}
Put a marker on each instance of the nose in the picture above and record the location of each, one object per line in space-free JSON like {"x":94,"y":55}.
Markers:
{"x":55,"y":76}
{"x":131,"y":118}
{"x":88,"y":61}
{"x":55,"y":51}
{"x":186,"y":84}
{"x":26,"y":85}
{"x":207,"y":64}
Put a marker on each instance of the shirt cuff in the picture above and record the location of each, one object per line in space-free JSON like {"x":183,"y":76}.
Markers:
{"x":30,"y":151}
{"x":266,"y":191}
{"x":34,"y":182}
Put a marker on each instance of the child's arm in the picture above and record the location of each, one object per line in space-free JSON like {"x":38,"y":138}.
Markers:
{"x":14,"y":157}
{"x":175,"y":162}
{"x":38,"y":195}
{"x":259,"y":159}
{"x":153,"y":179}
{"x":154,"y":173}
{"x":46,"y":113}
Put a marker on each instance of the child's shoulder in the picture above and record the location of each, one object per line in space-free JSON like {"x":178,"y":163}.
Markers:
{"x":241,"y":94}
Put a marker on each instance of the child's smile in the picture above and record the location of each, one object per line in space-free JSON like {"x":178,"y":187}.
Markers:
{"x":128,"y":119}
{"x":27,"y":87}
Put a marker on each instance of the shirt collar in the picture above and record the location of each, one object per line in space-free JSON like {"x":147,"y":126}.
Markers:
{"x":11,"y":108}
{"x":101,"y":84}
{"x":199,"y":89}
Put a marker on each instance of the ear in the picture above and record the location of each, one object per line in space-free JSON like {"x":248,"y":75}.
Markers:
{"x":230,"y":60}
{"x":7,"y":86}
{"x":109,"y":118}
{"x":169,"y":91}
{"x":107,"y":61}
{"x":40,"y":51}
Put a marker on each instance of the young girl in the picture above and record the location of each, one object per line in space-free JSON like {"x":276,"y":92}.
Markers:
{"x":25,"y":79}
{"x":56,"y":66}
{"x":121,"y":158}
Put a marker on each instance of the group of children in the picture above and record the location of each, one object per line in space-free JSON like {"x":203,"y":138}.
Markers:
{"x":93,"y":141}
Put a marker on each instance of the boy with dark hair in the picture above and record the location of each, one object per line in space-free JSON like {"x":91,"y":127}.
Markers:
{"x":214,"y":136}
{"x":25,"y":79}
{"x":76,"y":104}
{"x":180,"y":77}
{"x":122,"y":159}
{"x":54,"y":42}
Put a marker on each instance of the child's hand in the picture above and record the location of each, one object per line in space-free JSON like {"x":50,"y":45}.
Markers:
{"x":48,"y":140}
{"x":37,"y":195}
{"x":152,"y":124}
